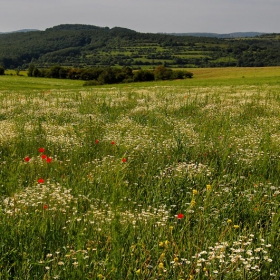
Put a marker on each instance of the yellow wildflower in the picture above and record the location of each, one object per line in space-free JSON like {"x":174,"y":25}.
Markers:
{"x":161,"y":265}
{"x":193,"y":203}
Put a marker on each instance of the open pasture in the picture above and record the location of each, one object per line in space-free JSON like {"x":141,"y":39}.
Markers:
{"x":160,"y":180}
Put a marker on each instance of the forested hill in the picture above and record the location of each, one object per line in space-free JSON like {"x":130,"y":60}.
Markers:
{"x":86,"y":45}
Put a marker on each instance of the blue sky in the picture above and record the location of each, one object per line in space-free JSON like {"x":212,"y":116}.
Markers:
{"x":217,"y":16}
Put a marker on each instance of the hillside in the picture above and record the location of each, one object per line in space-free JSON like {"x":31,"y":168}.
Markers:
{"x":87,"y":45}
{"x":217,"y":35}
{"x":21,"y":30}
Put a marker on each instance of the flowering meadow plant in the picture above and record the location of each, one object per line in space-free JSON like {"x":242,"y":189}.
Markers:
{"x":160,"y":181}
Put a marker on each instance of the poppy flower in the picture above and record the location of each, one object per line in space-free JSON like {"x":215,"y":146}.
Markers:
{"x":27,"y":159}
{"x":41,"y":150}
{"x":96,"y":141}
{"x":124,"y":160}
{"x":48,"y":160}
{"x":45,"y":206}
{"x":41,"y":181}
{"x":180,"y":216}
{"x":113,"y":143}
{"x":43,"y":156}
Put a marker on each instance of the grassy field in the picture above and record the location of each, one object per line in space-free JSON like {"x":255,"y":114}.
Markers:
{"x":160,"y":180}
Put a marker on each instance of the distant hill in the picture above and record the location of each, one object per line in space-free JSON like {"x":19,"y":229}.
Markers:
{"x":80,"y":45}
{"x":228,"y":35}
{"x":21,"y":30}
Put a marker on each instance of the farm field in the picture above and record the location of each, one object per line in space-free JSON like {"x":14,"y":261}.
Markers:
{"x":159,"y":180}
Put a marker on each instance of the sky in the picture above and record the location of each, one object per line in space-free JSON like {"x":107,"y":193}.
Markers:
{"x":167,"y":16}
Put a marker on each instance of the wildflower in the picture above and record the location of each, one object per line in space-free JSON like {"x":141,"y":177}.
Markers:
{"x":193,"y":203}
{"x":195,"y":192}
{"x":138,"y":272}
{"x":208,"y":187}
{"x":45,"y":206}
{"x":236,"y":226}
{"x":41,"y":181}
{"x":124,"y":160}
{"x":229,"y":221}
{"x":41,"y":150}
{"x":43,"y":156}
{"x":113,"y":143}
{"x":161,"y":265}
{"x":49,"y":160}
{"x":100,"y":276}
{"x":161,"y":244}
{"x":60,"y":263}
{"x":180,"y":216}
{"x":26,"y":159}
{"x":96,"y":141}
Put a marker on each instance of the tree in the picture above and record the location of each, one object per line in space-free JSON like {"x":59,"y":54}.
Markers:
{"x":162,"y":73}
{"x":30,"y":70}
{"x":143,"y":76}
{"x":2,"y":70}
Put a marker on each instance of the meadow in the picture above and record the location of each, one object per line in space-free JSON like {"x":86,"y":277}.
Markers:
{"x":159,"y":180}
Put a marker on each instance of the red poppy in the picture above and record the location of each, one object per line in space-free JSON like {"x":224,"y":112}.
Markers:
{"x":41,"y":181}
{"x":180,"y":216}
{"x":124,"y":160}
{"x":27,"y":159}
{"x":49,"y":160}
{"x":41,"y":150}
{"x":96,"y":141}
{"x":113,"y":143}
{"x":43,"y":156}
{"x":45,"y":206}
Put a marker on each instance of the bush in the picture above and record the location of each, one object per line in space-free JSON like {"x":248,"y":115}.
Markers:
{"x":143,"y":76}
{"x":163,"y":73}
{"x":188,"y":74}
{"x":2,"y":70}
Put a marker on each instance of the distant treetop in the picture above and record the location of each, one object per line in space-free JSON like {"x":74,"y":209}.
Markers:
{"x":75,"y":27}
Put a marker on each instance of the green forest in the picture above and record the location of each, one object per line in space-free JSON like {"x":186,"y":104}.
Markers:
{"x":85,"y":46}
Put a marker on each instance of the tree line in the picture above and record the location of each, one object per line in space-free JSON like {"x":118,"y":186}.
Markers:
{"x":108,"y":75}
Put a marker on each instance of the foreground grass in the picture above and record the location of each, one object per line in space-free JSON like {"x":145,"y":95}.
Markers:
{"x":171,"y":180}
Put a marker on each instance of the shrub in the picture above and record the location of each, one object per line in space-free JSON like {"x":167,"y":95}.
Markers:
{"x":2,"y":70}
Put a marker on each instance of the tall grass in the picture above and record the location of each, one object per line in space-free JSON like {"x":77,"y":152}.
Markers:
{"x":151,"y":181}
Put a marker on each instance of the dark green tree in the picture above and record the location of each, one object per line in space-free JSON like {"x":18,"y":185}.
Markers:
{"x":162,"y":73}
{"x":2,"y":70}
{"x":30,"y":70}
{"x":143,"y":76}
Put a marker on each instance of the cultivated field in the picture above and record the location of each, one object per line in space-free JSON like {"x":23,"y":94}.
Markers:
{"x":161,"y":180}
